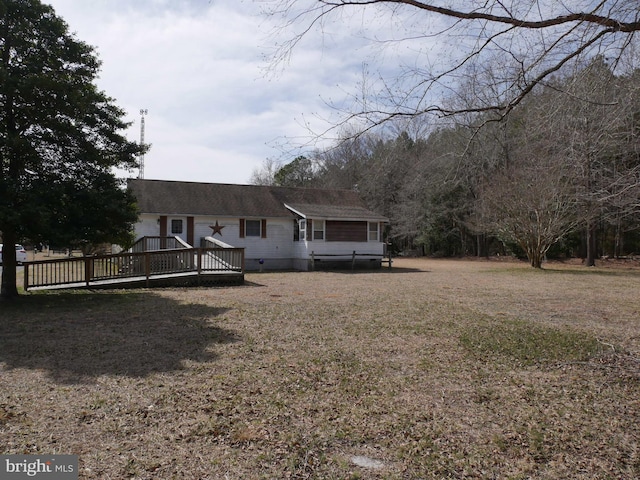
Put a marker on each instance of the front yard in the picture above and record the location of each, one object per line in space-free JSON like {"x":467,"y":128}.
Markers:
{"x":436,"y":369}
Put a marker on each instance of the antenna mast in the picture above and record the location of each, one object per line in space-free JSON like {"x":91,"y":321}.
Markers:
{"x":143,"y":112}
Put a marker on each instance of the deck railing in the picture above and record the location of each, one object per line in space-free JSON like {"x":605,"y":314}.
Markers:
{"x":85,"y":271}
{"x":213,"y":243}
{"x":354,"y":256}
{"x":146,"y":244}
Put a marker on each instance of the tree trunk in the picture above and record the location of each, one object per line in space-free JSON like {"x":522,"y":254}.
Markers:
{"x":590,"y":261}
{"x":618,"y":240}
{"x":9,"y":288}
{"x":481,"y":245}
{"x":536,"y":259}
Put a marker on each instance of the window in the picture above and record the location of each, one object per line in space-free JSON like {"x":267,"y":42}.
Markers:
{"x":303,"y":227}
{"x":296,"y":230}
{"x":318,"y":229}
{"x":373,"y":231}
{"x":176,"y":226}
{"x":252,"y":228}
{"x":346,"y":231}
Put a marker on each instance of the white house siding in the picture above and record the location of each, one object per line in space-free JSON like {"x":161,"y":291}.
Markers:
{"x":335,"y":248}
{"x":334,"y":251}
{"x":278,"y":250}
{"x":300,"y":256}
{"x":228,"y":234}
{"x":147,"y":226}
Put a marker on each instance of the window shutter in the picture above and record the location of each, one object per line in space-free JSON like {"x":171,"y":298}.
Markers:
{"x":264,"y":228}
{"x":190,"y":230}
{"x":163,"y":225}
{"x":309,"y":230}
{"x":242,"y":228}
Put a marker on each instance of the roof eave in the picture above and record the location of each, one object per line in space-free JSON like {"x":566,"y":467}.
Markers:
{"x":288,"y":207}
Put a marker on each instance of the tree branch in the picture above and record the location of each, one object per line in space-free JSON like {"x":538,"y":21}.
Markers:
{"x":580,"y":17}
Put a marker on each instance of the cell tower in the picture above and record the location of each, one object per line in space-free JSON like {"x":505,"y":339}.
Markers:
{"x":143,"y":112}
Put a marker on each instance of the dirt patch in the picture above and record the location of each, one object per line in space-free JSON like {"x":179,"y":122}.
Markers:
{"x":435,"y":369}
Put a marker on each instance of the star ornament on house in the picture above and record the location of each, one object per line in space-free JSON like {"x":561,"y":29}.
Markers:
{"x":216,"y":228}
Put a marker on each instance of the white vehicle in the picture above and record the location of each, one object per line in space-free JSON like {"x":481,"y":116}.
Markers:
{"x":21,"y":254}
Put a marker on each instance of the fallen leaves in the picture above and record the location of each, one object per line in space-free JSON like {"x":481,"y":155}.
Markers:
{"x":456,"y":370}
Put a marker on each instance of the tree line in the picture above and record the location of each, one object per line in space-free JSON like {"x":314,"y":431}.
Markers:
{"x":557,"y":175}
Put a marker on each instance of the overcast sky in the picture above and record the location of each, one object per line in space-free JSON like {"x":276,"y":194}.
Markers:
{"x":198,"y":67}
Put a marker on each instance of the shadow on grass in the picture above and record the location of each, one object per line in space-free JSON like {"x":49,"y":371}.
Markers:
{"x":337,"y":270}
{"x":77,"y":336}
{"x":345,"y":267}
{"x":587,"y":271}
{"x":383,"y":270}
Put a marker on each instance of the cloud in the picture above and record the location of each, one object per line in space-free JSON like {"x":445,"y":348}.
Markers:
{"x":199,"y":68}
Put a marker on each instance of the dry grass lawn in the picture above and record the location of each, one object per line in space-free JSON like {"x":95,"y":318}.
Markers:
{"x":437,"y":369}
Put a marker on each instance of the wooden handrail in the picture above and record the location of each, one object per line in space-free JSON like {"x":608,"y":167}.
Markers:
{"x":346,"y":256}
{"x":142,"y":265}
{"x":155,"y":243}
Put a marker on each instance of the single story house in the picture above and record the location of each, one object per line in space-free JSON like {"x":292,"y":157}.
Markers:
{"x":279,"y":227}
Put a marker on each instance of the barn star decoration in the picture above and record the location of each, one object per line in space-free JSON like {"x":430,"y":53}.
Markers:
{"x":216,"y":229}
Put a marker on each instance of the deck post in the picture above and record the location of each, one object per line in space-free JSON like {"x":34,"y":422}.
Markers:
{"x":26,"y":276}
{"x":313,"y":261}
{"x":87,"y":270}
{"x":199,"y":265}
{"x":147,"y":266}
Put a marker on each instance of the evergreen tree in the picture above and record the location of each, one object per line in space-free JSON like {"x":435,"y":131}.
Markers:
{"x":59,"y":139}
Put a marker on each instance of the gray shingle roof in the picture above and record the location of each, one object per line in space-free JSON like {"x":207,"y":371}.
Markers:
{"x":165,"y":197}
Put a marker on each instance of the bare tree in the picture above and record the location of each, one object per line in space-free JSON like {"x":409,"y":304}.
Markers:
{"x":570,"y":155}
{"x":532,"y":204}
{"x":620,"y":192}
{"x":526,"y":43}
{"x":596,"y":129}
{"x":385,"y":170}
{"x":265,"y":175}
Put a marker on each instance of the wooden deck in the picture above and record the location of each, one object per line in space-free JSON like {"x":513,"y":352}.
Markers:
{"x":168,"y":267}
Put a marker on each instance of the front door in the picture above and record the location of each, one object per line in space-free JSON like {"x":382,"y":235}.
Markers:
{"x":177,"y":227}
